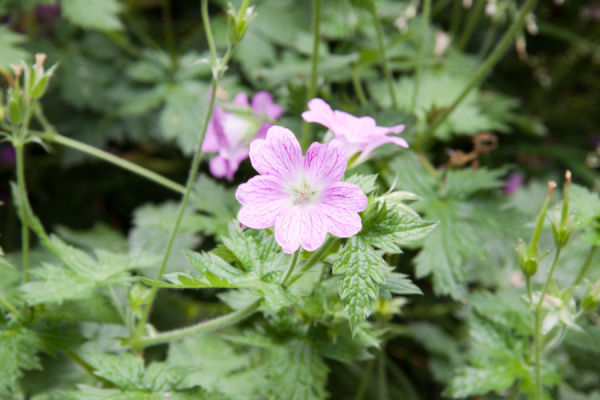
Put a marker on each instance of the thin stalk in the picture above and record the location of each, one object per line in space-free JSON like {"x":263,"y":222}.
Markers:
{"x":549,"y":279}
{"x":169,"y":33}
{"x":192,"y":174}
{"x":381,"y":376}
{"x":487,"y":41}
{"x":455,"y":19}
{"x":8,"y":305}
{"x":364,"y":382}
{"x":312,"y":87}
{"x":424,"y":21}
{"x":291,"y":268}
{"x":472,"y":21}
{"x":538,"y":361}
{"x":88,"y":368}
{"x":314,"y":258}
{"x":491,"y":61}
{"x":24,"y":221}
{"x":202,"y":327}
{"x":119,"y":162}
{"x":383,"y":58}
{"x":243,"y":8}
{"x":586,"y":266}
{"x":515,"y":391}
{"x":360,"y":93}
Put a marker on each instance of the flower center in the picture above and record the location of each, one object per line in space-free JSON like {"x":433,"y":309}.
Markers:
{"x":303,"y":195}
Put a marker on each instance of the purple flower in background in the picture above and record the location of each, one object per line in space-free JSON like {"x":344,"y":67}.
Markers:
{"x":513,"y":183}
{"x":233,"y":126}
{"x":8,"y":156}
{"x":301,"y":196}
{"x":359,"y":135}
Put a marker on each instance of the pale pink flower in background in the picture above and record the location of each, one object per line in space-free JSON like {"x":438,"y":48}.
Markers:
{"x":231,"y":129}
{"x":359,"y":135}
{"x":301,"y":196}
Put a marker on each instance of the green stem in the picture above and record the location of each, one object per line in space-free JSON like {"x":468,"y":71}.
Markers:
{"x":88,"y":368}
{"x":314,"y":258}
{"x":482,"y":71}
{"x":455,"y":19}
{"x":472,"y":21}
{"x":203,"y":327}
{"x":383,"y":58}
{"x":360,"y":93}
{"x":487,"y":41}
{"x":381,"y":375}
{"x":243,"y":9}
{"x":364,"y":382}
{"x":24,"y":221}
{"x":586,"y":266}
{"x":119,"y":162}
{"x":549,"y":279}
{"x":538,"y":361}
{"x":291,"y":268}
{"x":312,"y":88}
{"x":424,"y":21}
{"x":8,"y":305}
{"x":515,"y":391}
{"x":118,"y":307}
{"x":192,"y":174}
{"x":169,"y":34}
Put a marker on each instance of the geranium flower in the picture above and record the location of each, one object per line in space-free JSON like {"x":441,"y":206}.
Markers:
{"x":233,"y":126}
{"x":301,"y":196}
{"x":360,"y":135}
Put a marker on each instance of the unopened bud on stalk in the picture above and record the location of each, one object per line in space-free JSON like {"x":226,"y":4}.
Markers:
{"x":563,"y":231}
{"x":17,"y":69}
{"x":39,"y":60}
{"x":551,"y":187}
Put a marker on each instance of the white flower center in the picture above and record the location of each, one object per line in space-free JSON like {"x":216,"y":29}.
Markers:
{"x":303,"y":194}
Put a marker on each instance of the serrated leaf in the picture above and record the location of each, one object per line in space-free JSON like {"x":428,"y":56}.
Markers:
{"x":183,"y":115}
{"x":368,"y":183}
{"x":217,"y":204}
{"x":399,"y":284}
{"x":460,"y":184}
{"x":100,"y":236}
{"x":18,"y":349}
{"x":363,"y":271}
{"x":93,"y":14}
{"x":390,"y":230}
{"x":297,"y":372}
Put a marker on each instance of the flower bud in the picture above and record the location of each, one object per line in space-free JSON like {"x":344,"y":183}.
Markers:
{"x":529,"y":262}
{"x":239,"y":23}
{"x":15,"y":106}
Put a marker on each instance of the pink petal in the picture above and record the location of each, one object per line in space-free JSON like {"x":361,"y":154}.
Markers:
{"x":218,"y":167}
{"x":321,"y":113}
{"x":241,"y":99}
{"x":341,"y":203}
{"x":279,"y":154}
{"x":263,"y":200}
{"x":379,"y":141}
{"x":301,"y":226}
{"x":262,"y":102}
{"x":382,"y":130}
{"x":325,"y":163}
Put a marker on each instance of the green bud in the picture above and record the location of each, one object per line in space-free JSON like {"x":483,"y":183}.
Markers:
{"x":15,"y":107}
{"x":528,"y":262}
{"x":592,"y":298}
{"x":39,"y":87}
{"x":238,"y":24}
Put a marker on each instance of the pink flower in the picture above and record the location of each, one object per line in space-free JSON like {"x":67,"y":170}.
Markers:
{"x":301,"y":196}
{"x":230,"y":131}
{"x":359,"y":135}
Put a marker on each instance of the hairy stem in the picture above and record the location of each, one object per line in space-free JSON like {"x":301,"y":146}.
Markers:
{"x":192,"y":174}
{"x":481,"y":72}
{"x":291,"y":268}
{"x":358,"y":89}
{"x":474,"y":16}
{"x":383,"y":58}
{"x":119,"y":162}
{"x":312,"y":87}
{"x":424,"y":21}
{"x":549,"y":279}
{"x":314,"y":258}
{"x":202,"y":327}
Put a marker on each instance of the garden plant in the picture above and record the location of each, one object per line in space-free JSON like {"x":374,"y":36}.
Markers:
{"x":293,"y":199}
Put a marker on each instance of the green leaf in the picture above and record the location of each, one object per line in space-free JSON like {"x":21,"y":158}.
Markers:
{"x":400,"y":284}
{"x":389,"y":230}
{"x":585,"y":205}
{"x":9,"y":51}
{"x":297,"y":372}
{"x":363,"y":271}
{"x":183,"y":115}
{"x":368,"y":183}
{"x":93,"y":14}
{"x":217,"y":204}
{"x":100,"y":236}
{"x":461,"y":184}
{"x":18,"y":349}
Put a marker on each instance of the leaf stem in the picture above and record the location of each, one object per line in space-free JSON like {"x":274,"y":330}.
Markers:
{"x":314,"y":258}
{"x":547,"y":284}
{"x":474,"y":16}
{"x":360,"y":93}
{"x":424,"y":21}
{"x":586,"y":266}
{"x":192,"y":174}
{"x":118,"y":307}
{"x":169,"y":33}
{"x":481,"y":72}
{"x":381,"y":376}
{"x":202,"y":327}
{"x":4,"y":302}
{"x":364,"y":382}
{"x":119,"y":162}
{"x":312,"y":87}
{"x":383,"y":57}
{"x":291,"y":268}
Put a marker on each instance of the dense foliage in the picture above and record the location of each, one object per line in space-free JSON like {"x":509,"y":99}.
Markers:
{"x":470,"y":271}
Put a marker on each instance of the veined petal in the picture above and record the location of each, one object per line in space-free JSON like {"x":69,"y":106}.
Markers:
{"x":341,"y":203}
{"x":321,"y":113}
{"x":262,"y":102}
{"x":279,"y":154}
{"x":379,"y":141}
{"x":325,"y":163}
{"x":301,"y":226}
{"x":341,"y":222}
{"x":263,"y":201}
{"x":382,"y":130}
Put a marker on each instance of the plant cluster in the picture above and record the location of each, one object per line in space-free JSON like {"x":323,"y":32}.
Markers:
{"x":322,"y":244}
